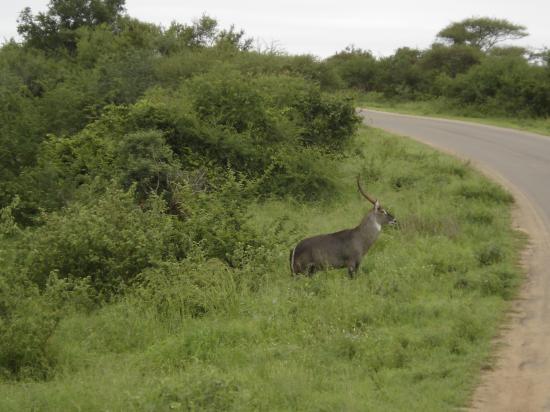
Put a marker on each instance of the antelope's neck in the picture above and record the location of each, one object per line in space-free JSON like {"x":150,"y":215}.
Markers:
{"x":370,"y":228}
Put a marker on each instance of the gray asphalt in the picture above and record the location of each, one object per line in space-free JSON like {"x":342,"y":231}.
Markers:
{"x":520,"y":380}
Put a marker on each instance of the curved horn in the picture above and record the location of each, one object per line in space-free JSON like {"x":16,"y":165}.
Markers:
{"x":370,"y":199}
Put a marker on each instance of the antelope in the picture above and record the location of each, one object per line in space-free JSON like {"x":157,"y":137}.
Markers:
{"x":343,"y":249}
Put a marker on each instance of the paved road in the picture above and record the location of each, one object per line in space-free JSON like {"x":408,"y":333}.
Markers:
{"x":520,"y":380}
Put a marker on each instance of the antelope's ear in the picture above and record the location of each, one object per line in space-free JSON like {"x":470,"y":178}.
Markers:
{"x":377,"y":205}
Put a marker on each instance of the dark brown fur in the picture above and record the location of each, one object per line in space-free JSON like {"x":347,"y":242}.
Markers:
{"x":343,"y":249}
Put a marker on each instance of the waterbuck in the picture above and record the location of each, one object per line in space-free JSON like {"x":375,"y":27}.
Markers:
{"x":344,"y":249}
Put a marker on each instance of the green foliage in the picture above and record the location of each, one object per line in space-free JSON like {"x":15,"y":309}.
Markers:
{"x":481,"y":32}
{"x":450,"y":60}
{"x":464,"y":73}
{"x":143,"y":158}
{"x":8,"y":225}
{"x":481,"y":191}
{"x":28,"y":319}
{"x":189,"y":288}
{"x":358,"y":68}
{"x":110,"y":241}
{"x":206,"y":393}
{"x":401,"y":74}
{"x":56,"y":28}
{"x":263,"y":107}
{"x":216,"y":221}
{"x":230,"y":101}
{"x":503,"y":85}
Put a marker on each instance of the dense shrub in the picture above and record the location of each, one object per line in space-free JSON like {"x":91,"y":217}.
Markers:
{"x":401,"y":75}
{"x":27,"y":320}
{"x":29,"y":317}
{"x":265,"y":106}
{"x":110,"y":240}
{"x":216,"y":220}
{"x":189,"y":288}
{"x":450,"y":60}
{"x":105,"y":236}
{"x":357,"y":68}
{"x":504,"y":85}
{"x":103,"y":241}
{"x":143,"y":158}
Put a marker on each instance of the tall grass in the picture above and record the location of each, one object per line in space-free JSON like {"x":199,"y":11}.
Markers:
{"x":410,"y":332}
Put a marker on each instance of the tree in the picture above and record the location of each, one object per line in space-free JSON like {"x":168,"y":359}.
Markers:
{"x":510,"y":51}
{"x":357,"y":67}
{"x":234,"y":39}
{"x":203,"y":33}
{"x":401,"y":74}
{"x":481,"y":32}
{"x":57,"y":27}
{"x":450,"y":60}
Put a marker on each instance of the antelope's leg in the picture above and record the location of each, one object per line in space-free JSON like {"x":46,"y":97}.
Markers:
{"x":352,"y":268}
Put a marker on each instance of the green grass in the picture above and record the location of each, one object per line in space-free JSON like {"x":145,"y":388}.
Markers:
{"x":411,"y":332}
{"x":442,"y":108}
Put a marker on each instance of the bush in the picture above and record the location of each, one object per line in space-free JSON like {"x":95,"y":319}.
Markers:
{"x":227,"y":98}
{"x":106,"y":236}
{"x":216,"y":220}
{"x":108,"y":239}
{"x":503,"y":85}
{"x":358,"y":68}
{"x":450,"y":60}
{"x":28,"y":318}
{"x":208,"y":390}
{"x":143,"y":158}
{"x":490,"y":254}
{"x":308,"y":109}
{"x":189,"y":288}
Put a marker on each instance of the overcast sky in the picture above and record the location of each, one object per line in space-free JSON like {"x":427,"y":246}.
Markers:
{"x":323,"y":27}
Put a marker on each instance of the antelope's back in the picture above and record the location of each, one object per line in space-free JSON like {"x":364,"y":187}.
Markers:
{"x":322,"y":250}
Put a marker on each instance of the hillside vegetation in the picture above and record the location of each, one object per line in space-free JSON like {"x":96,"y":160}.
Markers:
{"x":152,"y":182}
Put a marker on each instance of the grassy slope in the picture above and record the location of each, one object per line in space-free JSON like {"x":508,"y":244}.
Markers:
{"x":437,"y":108}
{"x":409,"y":333}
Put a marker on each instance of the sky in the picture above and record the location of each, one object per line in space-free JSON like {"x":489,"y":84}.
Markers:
{"x":323,"y":27}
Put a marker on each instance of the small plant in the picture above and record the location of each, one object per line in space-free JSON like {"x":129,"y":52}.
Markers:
{"x":490,"y":254}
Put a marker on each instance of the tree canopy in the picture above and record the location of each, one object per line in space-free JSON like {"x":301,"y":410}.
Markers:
{"x":481,"y":32}
{"x":56,"y":27}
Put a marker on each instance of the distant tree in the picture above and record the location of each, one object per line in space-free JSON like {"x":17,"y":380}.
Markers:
{"x":542,"y":57}
{"x":57,"y":27}
{"x":481,"y":32}
{"x":510,"y":51}
{"x":450,"y":60}
{"x":401,"y":75}
{"x":235,"y":39}
{"x":202,"y":33}
{"x":357,"y":67}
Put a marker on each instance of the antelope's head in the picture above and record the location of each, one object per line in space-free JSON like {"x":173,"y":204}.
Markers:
{"x":380,"y":214}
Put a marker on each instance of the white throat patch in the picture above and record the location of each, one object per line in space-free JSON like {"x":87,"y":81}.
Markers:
{"x":378,"y":226}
